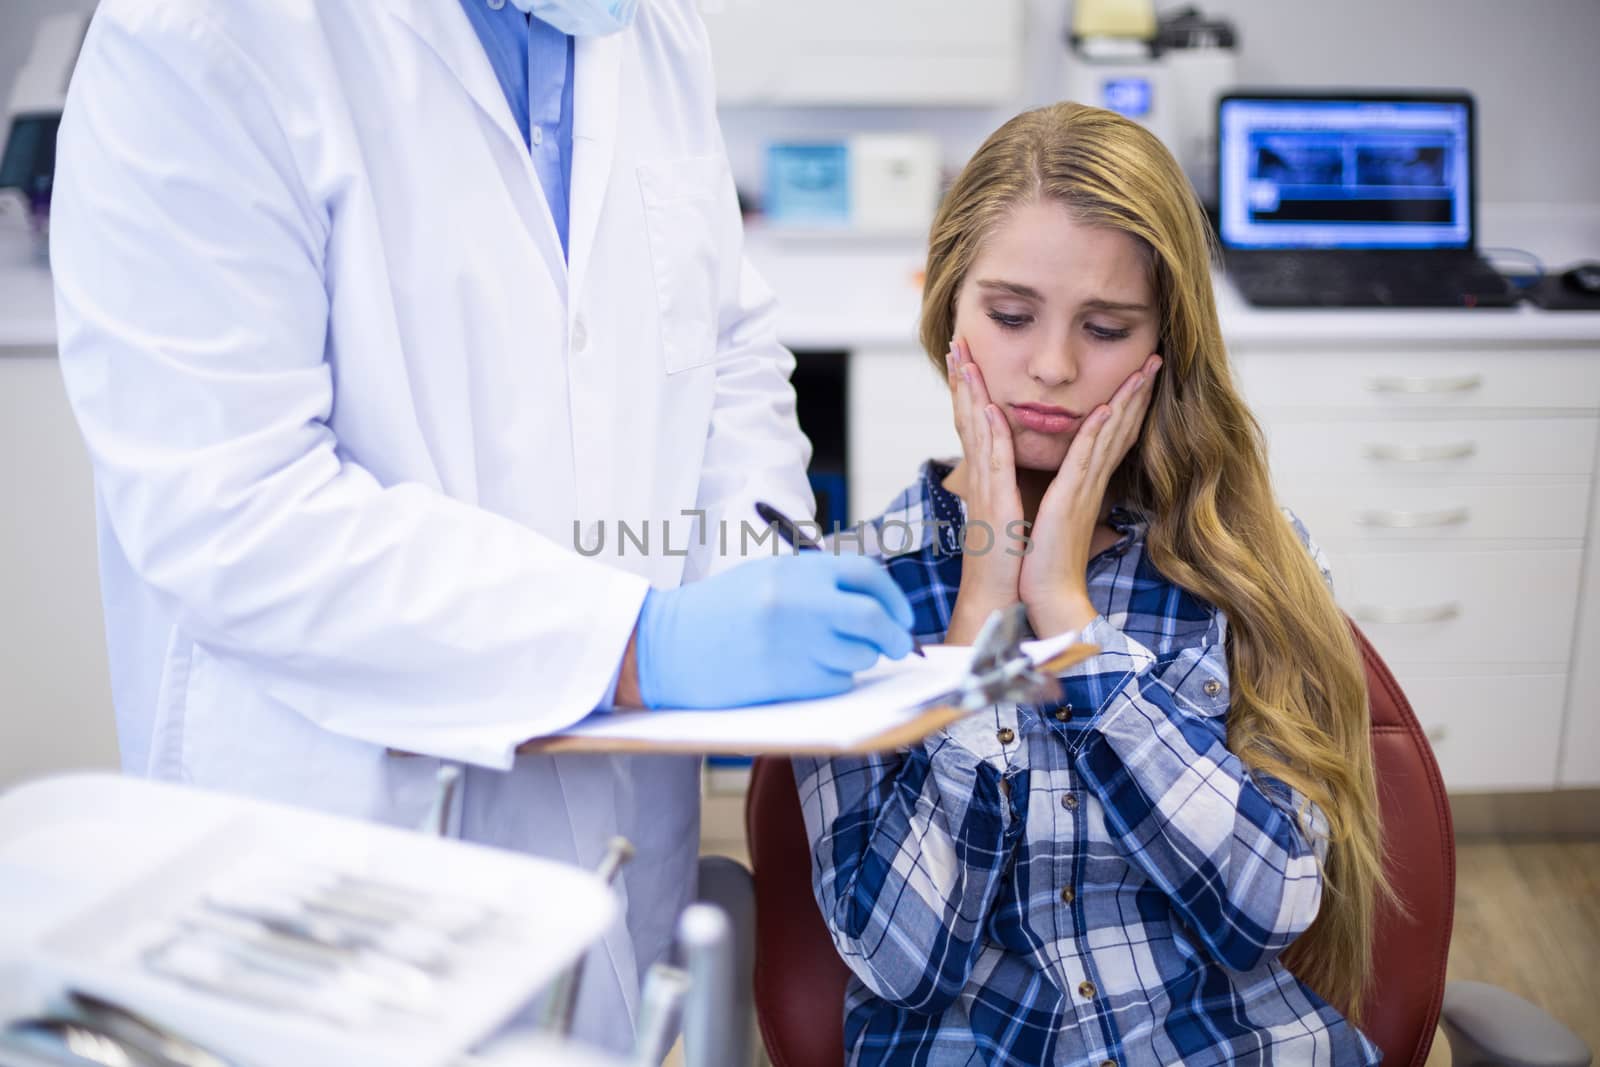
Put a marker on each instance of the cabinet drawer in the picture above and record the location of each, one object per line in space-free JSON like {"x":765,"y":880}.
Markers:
{"x":1391,"y":451}
{"x":1462,"y":607}
{"x":898,"y":416}
{"x":1370,"y":516}
{"x":1411,"y":381}
{"x":1491,"y":733}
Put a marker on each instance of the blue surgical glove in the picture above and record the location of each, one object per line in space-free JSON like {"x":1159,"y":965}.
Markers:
{"x":778,"y":628}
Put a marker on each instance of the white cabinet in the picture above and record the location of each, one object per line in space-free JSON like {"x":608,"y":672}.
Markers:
{"x":1423,"y":606}
{"x":1420,"y":379}
{"x":1490,"y":732}
{"x":1580,"y":741}
{"x":898,"y":416}
{"x":1383,"y":452}
{"x":895,"y":53}
{"x":1451,"y":486}
{"x":55,"y":688}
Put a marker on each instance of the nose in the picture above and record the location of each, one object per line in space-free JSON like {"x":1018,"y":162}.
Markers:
{"x":1054,"y":363}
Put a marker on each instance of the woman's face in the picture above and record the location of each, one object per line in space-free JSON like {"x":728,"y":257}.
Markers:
{"x":1056,"y":314}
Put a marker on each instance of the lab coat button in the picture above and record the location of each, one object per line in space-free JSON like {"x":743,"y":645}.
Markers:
{"x":537,"y":136}
{"x":580,"y":336}
{"x":496,"y":5}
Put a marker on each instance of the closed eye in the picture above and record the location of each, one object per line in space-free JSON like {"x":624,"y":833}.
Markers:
{"x":1105,"y":333}
{"x":1010,"y":322}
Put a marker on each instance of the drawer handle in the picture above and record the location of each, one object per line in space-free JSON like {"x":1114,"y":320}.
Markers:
{"x":1464,"y":383}
{"x":1409,"y":520}
{"x":1421,"y":453}
{"x":1436,"y":613}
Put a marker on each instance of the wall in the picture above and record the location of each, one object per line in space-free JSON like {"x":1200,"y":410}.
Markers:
{"x":18,"y":21}
{"x":1530,"y":64}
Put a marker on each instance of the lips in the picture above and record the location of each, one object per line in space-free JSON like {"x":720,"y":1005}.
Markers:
{"x":1046,"y":418}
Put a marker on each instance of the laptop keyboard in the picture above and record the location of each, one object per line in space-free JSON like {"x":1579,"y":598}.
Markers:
{"x":1358,"y":279}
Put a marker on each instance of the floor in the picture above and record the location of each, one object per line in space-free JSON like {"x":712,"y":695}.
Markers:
{"x":1527,"y":916}
{"x":1528,"y":920}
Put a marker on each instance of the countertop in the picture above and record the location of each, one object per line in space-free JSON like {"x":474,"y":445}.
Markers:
{"x":848,"y":291}
{"x":851,"y":291}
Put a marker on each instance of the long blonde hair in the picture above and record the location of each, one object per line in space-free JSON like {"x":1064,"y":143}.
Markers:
{"x":1199,"y":476}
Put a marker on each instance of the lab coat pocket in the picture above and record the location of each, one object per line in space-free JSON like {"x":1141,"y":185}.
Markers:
{"x":681,"y":200}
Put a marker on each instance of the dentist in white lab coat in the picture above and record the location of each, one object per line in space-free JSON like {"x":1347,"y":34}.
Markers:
{"x":349,"y":405}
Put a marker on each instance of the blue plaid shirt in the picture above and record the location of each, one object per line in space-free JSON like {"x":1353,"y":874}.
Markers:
{"x":1098,"y":881}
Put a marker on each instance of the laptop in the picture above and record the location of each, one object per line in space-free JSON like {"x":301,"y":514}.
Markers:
{"x":1352,"y":199}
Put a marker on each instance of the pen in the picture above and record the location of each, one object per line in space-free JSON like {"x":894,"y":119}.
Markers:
{"x":797,"y":539}
{"x":792,"y":535}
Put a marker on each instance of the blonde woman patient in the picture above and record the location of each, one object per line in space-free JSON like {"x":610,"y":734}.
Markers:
{"x":1179,"y":862}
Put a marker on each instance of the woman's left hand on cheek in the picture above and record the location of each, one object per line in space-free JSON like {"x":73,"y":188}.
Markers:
{"x":1054,"y":585}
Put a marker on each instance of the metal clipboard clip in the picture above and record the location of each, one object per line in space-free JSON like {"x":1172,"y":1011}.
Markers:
{"x":1002,"y":673}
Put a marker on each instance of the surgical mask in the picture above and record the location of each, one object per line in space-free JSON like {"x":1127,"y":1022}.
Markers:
{"x":582,"y":18}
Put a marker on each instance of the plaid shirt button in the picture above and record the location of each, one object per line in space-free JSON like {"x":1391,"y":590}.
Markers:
{"x":1086,"y":990}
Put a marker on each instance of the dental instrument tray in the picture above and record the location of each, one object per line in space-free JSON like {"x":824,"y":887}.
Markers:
{"x":274,"y":935}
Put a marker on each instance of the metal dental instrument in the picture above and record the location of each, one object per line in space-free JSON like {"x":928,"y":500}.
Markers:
{"x":1002,"y":673}
{"x":564,"y":993}
{"x":661,"y":1001}
{"x":437,"y":822}
{"x":132,"y":1027}
{"x":83,"y":1042}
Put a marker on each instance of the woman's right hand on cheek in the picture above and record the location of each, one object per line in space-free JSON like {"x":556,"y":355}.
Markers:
{"x":990,"y":575}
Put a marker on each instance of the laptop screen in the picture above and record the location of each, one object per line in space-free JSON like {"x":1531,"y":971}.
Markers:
{"x":1323,"y":172}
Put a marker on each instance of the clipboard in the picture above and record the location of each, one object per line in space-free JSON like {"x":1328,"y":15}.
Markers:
{"x":876,"y":716}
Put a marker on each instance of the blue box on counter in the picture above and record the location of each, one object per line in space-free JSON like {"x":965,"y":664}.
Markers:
{"x":808,"y":183}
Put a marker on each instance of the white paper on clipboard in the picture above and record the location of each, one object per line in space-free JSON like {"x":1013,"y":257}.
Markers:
{"x":885,"y":709}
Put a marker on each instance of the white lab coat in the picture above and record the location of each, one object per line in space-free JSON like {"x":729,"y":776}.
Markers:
{"x":347,"y":405}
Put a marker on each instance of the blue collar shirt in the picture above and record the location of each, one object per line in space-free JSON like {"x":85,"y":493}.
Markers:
{"x":533,"y":62}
